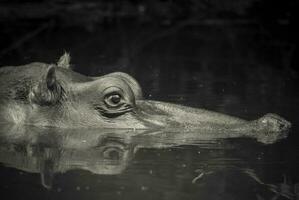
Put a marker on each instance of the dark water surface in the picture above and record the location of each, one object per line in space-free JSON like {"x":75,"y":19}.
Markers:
{"x":214,"y":69}
{"x":127,"y":164}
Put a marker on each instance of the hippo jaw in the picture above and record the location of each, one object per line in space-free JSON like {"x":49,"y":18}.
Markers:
{"x":173,"y":117}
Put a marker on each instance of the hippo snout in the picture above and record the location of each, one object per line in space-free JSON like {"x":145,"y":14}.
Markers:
{"x":271,"y":127}
{"x":274,"y":123}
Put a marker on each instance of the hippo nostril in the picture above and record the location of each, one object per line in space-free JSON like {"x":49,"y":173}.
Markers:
{"x":282,"y":126}
{"x":285,"y":126}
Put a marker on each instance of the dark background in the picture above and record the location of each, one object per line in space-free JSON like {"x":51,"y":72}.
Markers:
{"x":120,"y":34}
{"x":238,"y":57}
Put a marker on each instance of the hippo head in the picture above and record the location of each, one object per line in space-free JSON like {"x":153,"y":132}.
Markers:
{"x":54,"y":95}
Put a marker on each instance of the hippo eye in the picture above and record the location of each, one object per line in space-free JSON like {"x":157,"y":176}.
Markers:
{"x":113,"y":100}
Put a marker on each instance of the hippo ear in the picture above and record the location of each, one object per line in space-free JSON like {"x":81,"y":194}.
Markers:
{"x":64,"y":61}
{"x":51,"y":77}
{"x":48,"y":91}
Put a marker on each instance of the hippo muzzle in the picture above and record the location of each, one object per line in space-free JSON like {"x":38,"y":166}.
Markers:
{"x":172,"y":117}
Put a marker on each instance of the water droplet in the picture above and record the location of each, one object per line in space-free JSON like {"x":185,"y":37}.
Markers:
{"x":144,"y":188}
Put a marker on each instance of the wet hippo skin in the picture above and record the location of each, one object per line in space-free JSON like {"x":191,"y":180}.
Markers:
{"x":53,"y":95}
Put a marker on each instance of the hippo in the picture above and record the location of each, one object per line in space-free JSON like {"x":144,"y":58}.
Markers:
{"x":53,"y":95}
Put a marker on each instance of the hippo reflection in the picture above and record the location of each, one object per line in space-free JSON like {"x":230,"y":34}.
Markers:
{"x":53,"y":95}
{"x":50,"y":151}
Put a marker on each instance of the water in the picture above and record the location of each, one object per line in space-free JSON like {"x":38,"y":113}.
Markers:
{"x":116,"y":164}
{"x":217,"y":68}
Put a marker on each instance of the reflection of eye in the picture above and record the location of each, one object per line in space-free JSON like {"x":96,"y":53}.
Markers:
{"x":112,"y":153}
{"x":113,"y":100}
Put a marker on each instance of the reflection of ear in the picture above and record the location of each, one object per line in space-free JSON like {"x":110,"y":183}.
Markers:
{"x":135,"y":150}
{"x":47,"y":173}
